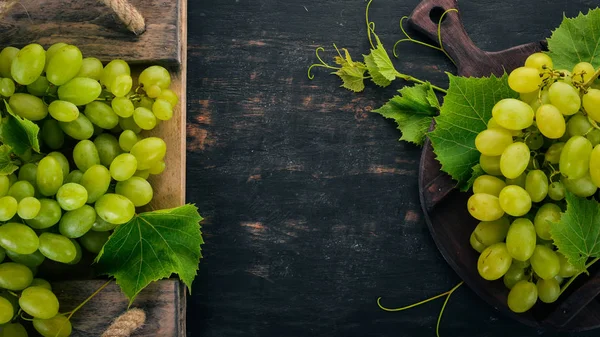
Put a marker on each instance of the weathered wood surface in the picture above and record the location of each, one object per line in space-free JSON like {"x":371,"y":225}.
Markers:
{"x":312,"y":204}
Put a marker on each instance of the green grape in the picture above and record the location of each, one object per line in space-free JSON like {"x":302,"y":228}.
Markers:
{"x":514,"y":160}
{"x":595,"y":165}
{"x":14,"y":330}
{"x":513,"y":275}
{"x":493,"y":142}
{"x":123,"y":167}
{"x":71,"y":196}
{"x":101,"y":114}
{"x":169,"y":96}
{"x":52,"y":51}
{"x":115,"y":208}
{"x":64,"y":65}
{"x":74,"y":177}
{"x":129,"y":124}
{"x":524,"y":79}
{"x":142,"y":174}
{"x":127,"y":140}
{"x":513,"y":114}
{"x":63,"y":161}
{"x":148,"y":152}
{"x":21,"y":189}
{"x":521,"y":240}
{"x":591,"y":103}
{"x":4,"y":185}
{"x":153,"y":91}
{"x":41,"y":87}
{"x":30,"y":260}
{"x":578,"y":125}
{"x":145,"y":102}
{"x":52,"y":135}
{"x":63,"y":111}
{"x":108,"y":148}
{"x":76,"y":223}
{"x":144,"y":118}
{"x":18,"y":238}
{"x":7,"y":87}
{"x":487,"y":184}
{"x":593,"y":136}
{"x":28,"y":64}
{"x":536,"y":184}
{"x":7,"y":55}
{"x":91,"y":67}
{"x":94,"y":241}
{"x":583,"y":71}
{"x":157,"y":168}
{"x":534,"y":141}
{"x":545,"y":215}
{"x":28,"y":208}
{"x":565,"y":98}
{"x":514,"y":200}
{"x":136,"y":189}
{"x":57,"y":248}
{"x":550,"y":121}
{"x":155,"y":75}
{"x":96,"y":181}
{"x":548,"y":290}
{"x":162,"y":109}
{"x":522,"y":296}
{"x":49,"y":215}
{"x":113,"y":69}
{"x":528,"y":97}
{"x":2,"y":254}
{"x":494,"y":262}
{"x":39,"y":302}
{"x":80,"y":91}
{"x":121,"y":85}
{"x":575,"y":157}
{"x":553,"y":153}
{"x":28,"y":106}
{"x":38,"y":282}
{"x":566,"y":268}
{"x":15,"y":276}
{"x":488,"y":233}
{"x":122,"y":106}
{"x":102,"y":226}
{"x":8,"y":207}
{"x":57,"y":326}
{"x":539,"y":61}
{"x":49,"y":176}
{"x":28,"y":172}
{"x":545,"y":262}
{"x":582,"y":187}
{"x":85,"y":155}
{"x":79,"y":253}
{"x":478,"y":246}
{"x":7,"y":311}
{"x":12,"y":178}
{"x":79,"y":129}
{"x":556,"y":191}
{"x":484,"y":207}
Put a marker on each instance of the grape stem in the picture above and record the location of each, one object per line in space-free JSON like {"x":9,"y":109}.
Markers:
{"x":589,"y":82}
{"x":416,"y":80}
{"x":576,"y":275}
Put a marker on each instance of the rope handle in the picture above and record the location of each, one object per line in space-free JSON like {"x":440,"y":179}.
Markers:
{"x":126,"y":324}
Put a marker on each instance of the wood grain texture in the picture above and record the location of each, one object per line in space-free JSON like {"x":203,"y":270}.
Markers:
{"x":312,"y":204}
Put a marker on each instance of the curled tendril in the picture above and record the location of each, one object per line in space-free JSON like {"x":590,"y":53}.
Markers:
{"x":323,"y":64}
{"x":370,"y":25}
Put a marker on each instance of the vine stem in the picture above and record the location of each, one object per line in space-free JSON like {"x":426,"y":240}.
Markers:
{"x":416,"y":80}
{"x":576,"y":275}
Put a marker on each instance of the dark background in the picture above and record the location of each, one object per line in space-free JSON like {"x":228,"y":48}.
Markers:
{"x":311,"y":203}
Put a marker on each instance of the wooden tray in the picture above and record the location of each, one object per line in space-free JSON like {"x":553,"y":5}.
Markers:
{"x":445,"y":208}
{"x":94,"y":28}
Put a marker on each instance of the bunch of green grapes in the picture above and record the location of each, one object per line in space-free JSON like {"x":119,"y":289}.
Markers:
{"x":91,"y":177}
{"x":534,"y":150}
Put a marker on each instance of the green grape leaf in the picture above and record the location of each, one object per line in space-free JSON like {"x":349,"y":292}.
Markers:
{"x":352,"y":73}
{"x":152,"y":246}
{"x":576,"y":40}
{"x":376,"y":76}
{"x":7,"y":164}
{"x":577,"y":234}
{"x":477,"y":172}
{"x":413,"y":111}
{"x":467,"y":109}
{"x":384,"y":64}
{"x":19,"y":133}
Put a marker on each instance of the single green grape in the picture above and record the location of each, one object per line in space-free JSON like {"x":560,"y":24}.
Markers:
{"x":552,"y":155}
{"x":155,"y":75}
{"x":591,"y":103}
{"x":158,"y":168}
{"x":48,"y":216}
{"x":96,"y":181}
{"x":21,"y":189}
{"x":4,"y":185}
{"x":28,"y":172}
{"x":149,"y":151}
{"x":28,"y":106}
{"x":145,"y":102}
{"x":594,"y":166}
{"x":162,"y":109}
{"x":15,"y":276}
{"x":583,"y":71}
{"x":57,"y":248}
{"x":91,"y":67}
{"x":79,"y":129}
{"x":18,"y":238}
{"x":513,"y":114}
{"x":514,"y":200}
{"x":76,"y":223}
{"x":524,"y":79}
{"x":80,"y":91}
{"x":122,"y":106}
{"x":144,"y":174}
{"x":548,"y":290}
{"x":123,"y":167}
{"x":575,"y":157}
{"x":7,"y":55}
{"x":79,"y":252}
{"x":38,"y":282}
{"x":521,"y":240}
{"x":29,"y":208}
{"x":545,"y":262}
{"x":115,"y":208}
{"x":101,"y":114}
{"x":102,"y":226}
{"x":93,"y":241}
{"x":39,"y":302}
{"x":14,"y":330}
{"x":7,"y":87}
{"x":478,"y":246}
{"x":85,"y":155}
{"x":52,"y":135}
{"x":30,"y":260}
{"x":113,"y":69}
{"x":539,"y":61}
{"x":74,"y":177}
{"x":513,"y":275}
{"x":28,"y":64}
{"x":49,"y":176}
{"x":169,"y":96}
{"x":493,"y":142}
{"x":64,"y":65}
{"x":7,"y":312}
{"x":63,"y":161}
{"x":51,"y":51}
{"x":494,"y":262}
{"x":129,"y":124}
{"x":121,"y":85}
{"x":153,"y":91}
{"x":488,"y":233}
{"x":514,"y":160}
{"x":536,"y":184}
{"x":550,"y":121}
{"x":127,"y":140}
{"x":578,"y":125}
{"x":546,"y":215}
{"x":71,"y":196}
{"x":57,"y":326}
{"x":63,"y":111}
{"x":565,"y":98}
{"x":8,"y":207}
{"x":136,"y":189}
{"x":144,"y":118}
{"x":522,"y":296}
{"x":108,"y":148}
{"x":556,"y":191}
{"x":582,"y":187}
{"x":41,"y":87}
{"x":484,"y":207}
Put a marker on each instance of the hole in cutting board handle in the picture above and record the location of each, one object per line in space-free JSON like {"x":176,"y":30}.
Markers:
{"x":436,"y":13}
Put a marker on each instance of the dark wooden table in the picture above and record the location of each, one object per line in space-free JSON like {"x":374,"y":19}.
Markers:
{"x":311,"y":204}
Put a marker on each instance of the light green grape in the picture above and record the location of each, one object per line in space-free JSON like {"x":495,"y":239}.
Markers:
{"x":102,"y":226}
{"x":565,"y":98}
{"x":553,"y":153}
{"x":145,"y":102}
{"x":484,"y":207}
{"x":550,"y":121}
{"x":108,"y":148}
{"x":91,"y":67}
{"x":488,"y":184}
{"x":536,"y":184}
{"x":136,"y":189}
{"x":548,"y":290}
{"x":149,"y":151}
{"x":594,"y":166}
{"x":28,"y":208}
{"x":64,"y":65}
{"x":493,"y":142}
{"x":478,"y":246}
{"x":14,"y":330}
{"x":7,"y":87}
{"x":593,"y":136}
{"x":129,"y":124}
{"x":566,"y":268}
{"x":155,"y":75}
{"x":28,"y":64}
{"x":575,"y":157}
{"x":57,"y":248}
{"x":57,"y":326}
{"x":101,"y":114}
{"x":545,"y":262}
{"x":79,"y":252}
{"x":7,"y":311}
{"x":71,"y":196}
{"x":115,"y":208}
{"x":514,"y":200}
{"x":28,"y":106}
{"x":122,"y":106}
{"x":76,"y":223}
{"x":4,"y":185}
{"x":520,"y":240}
{"x":144,"y":118}
{"x":153,"y":91}
{"x":522,"y":296}
{"x":7,"y":55}
{"x":513,"y":114}
{"x":583,"y":71}
{"x":591,"y":103}
{"x":80,"y":91}
{"x":41,"y":87}
{"x":127,"y":140}
{"x":547,"y":214}
{"x":582,"y":187}
{"x":123,"y":167}
{"x":113,"y":69}
{"x":488,"y":233}
{"x":74,"y":177}
{"x":8,"y":207}
{"x":15,"y":276}
{"x":63,"y":111}
{"x":21,"y":189}
{"x":539,"y":61}
{"x":121,"y":85}
{"x":513,"y":275}
{"x":39,"y":302}
{"x":28,"y":172}
{"x":524,"y":79}
{"x":51,"y":51}
{"x":514,"y":160}
{"x":158,"y":168}
{"x":169,"y":96}
{"x":79,"y":129}
{"x":96,"y":181}
{"x":63,"y":161}
{"x":556,"y":191}
{"x":494,"y":262}
{"x":30,"y":260}
{"x":535,"y":141}
{"x":142,"y":174}
{"x":38,"y":282}
{"x":49,"y":176}
{"x":52,"y":134}
{"x":93,"y":241}
{"x":18,"y":238}
{"x":162,"y":109}
{"x":578,"y":125}
{"x":49,"y":215}
{"x":85,"y":155}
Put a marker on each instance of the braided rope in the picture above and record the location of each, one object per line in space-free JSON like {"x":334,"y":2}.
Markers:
{"x":126,"y":324}
{"x":128,"y":14}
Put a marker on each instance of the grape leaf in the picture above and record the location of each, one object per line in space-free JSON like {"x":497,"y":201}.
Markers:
{"x":413,"y":111}
{"x":577,"y":234}
{"x":152,"y":246}
{"x":352,"y":73}
{"x":576,"y":40}
{"x":19,"y":133}
{"x":376,"y":76}
{"x":7,"y":164}
{"x":466,"y":111}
